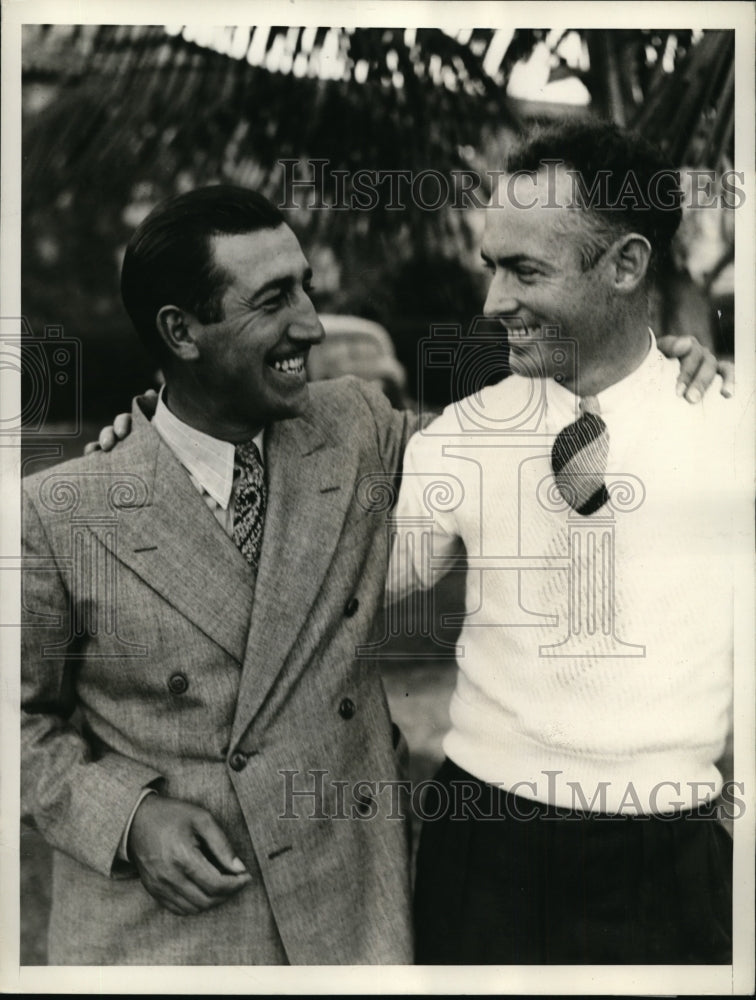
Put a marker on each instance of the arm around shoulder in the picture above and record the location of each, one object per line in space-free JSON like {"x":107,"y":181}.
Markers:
{"x":393,"y":427}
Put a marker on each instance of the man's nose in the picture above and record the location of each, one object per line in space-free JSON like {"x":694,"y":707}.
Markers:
{"x":501,"y":300}
{"x":305,"y":324}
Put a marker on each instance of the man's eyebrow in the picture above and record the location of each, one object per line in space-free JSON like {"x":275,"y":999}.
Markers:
{"x":510,"y":260}
{"x":282,"y":283}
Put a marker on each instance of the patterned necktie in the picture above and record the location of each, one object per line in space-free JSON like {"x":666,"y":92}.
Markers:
{"x":249,"y":509}
{"x":578,"y":459}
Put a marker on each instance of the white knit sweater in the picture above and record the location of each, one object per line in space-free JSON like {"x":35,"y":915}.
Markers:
{"x":595,"y":657}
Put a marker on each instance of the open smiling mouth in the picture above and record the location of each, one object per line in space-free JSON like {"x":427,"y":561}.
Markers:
{"x":294,"y":365}
{"x":518,"y":330}
{"x":524,"y":336}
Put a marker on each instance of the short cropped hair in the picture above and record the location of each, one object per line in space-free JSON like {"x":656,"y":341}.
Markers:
{"x":621,"y":183}
{"x":169,"y":259}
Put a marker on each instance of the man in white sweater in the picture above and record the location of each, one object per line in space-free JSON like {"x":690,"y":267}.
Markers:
{"x":571,"y":821}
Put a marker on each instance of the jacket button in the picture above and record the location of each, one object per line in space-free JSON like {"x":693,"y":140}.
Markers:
{"x":178,"y":684}
{"x":238,"y":761}
{"x":347,"y":708}
{"x":351,"y":607}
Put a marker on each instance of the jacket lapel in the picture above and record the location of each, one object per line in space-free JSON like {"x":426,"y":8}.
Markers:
{"x":310,"y":484}
{"x":174,"y":543}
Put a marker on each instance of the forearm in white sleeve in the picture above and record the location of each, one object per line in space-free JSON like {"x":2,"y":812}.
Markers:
{"x":422,"y":537}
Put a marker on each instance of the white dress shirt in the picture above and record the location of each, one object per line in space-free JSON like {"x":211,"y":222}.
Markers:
{"x":209,"y":461}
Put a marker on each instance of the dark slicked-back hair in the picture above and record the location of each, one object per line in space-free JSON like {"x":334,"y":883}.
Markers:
{"x":620,"y":182}
{"x":169,"y":259}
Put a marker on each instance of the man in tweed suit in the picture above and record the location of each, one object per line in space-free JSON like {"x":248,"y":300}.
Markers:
{"x":182,"y":699}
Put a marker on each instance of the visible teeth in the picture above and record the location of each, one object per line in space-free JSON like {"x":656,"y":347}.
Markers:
{"x":294,"y":366}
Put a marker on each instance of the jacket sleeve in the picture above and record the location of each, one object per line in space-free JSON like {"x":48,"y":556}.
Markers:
{"x":79,"y":801}
{"x":393,"y":427}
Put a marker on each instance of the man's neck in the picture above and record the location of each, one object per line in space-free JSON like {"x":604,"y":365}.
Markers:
{"x":619,"y":357}
{"x":205,"y":418}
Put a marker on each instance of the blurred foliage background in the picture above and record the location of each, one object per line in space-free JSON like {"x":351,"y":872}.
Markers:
{"x":117,"y":117}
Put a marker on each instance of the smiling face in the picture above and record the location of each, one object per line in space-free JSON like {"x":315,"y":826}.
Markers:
{"x":538,"y":286}
{"x":250,"y":366}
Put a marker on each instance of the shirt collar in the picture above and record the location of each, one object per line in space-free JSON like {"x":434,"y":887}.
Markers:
{"x":207,"y":459}
{"x":615,"y":398}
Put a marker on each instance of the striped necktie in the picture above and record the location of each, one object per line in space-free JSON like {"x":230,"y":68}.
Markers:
{"x":249,"y":506}
{"x":579,"y":457}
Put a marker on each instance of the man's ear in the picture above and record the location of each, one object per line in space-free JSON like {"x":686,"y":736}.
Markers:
{"x":632,"y":254}
{"x":175,"y":327}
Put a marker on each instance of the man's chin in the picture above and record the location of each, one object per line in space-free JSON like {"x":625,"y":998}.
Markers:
{"x":526,"y":361}
{"x":294,"y":405}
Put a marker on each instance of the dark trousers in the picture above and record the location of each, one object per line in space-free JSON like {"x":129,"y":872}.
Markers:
{"x":504,"y":880}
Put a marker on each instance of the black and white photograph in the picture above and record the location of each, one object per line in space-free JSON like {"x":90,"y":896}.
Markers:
{"x":377,"y":439}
